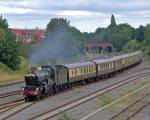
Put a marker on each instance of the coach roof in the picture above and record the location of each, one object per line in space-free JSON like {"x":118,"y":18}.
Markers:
{"x":77,"y":65}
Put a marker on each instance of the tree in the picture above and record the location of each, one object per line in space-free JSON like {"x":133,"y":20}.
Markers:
{"x":132,"y":45}
{"x":3,"y":23}
{"x":9,"y":48}
{"x":139,"y":33}
{"x":122,"y":36}
{"x":147,"y":35}
{"x":113,"y":21}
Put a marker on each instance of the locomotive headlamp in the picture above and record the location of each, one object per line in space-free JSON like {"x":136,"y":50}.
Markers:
{"x":22,"y":88}
{"x":37,"y":89}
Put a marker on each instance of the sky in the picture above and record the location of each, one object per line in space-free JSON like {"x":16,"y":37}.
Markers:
{"x":85,"y":15}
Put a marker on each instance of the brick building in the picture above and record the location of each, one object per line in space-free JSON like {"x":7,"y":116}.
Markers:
{"x":96,"y":49}
{"x":29,"y":35}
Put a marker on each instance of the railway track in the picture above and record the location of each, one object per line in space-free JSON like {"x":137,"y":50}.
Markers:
{"x":8,"y":94}
{"x":7,"y":107}
{"x":10,"y":109}
{"x":133,"y":109}
{"x":3,"y":95}
{"x":132,"y":71}
{"x":10,"y":84}
{"x":60,"y":109}
{"x":14,"y":109}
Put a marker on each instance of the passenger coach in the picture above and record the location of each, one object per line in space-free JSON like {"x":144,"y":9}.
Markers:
{"x":76,"y":72}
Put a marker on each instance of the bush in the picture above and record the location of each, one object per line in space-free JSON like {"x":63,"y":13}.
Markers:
{"x":5,"y":69}
{"x":23,"y":66}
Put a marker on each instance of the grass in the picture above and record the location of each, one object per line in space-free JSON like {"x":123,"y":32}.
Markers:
{"x":103,"y":101}
{"x":7,"y":75}
{"x":64,"y":116}
{"x":6,"y":78}
{"x":5,"y":69}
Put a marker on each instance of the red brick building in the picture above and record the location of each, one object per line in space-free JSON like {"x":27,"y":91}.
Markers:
{"x":29,"y":35}
{"x":99,"y":47}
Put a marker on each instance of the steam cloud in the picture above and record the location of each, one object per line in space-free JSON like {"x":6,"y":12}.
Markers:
{"x":61,"y":44}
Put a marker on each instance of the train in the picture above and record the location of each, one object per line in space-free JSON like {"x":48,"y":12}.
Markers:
{"x":48,"y":80}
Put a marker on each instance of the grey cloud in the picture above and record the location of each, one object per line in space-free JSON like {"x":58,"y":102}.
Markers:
{"x":128,"y":10}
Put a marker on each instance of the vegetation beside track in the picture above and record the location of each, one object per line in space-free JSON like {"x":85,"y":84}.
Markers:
{"x":64,"y":116}
{"x":105,"y":100}
{"x":8,"y":75}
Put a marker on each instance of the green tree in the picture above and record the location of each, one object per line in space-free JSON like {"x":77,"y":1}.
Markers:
{"x":147,"y":35}
{"x":3,"y":23}
{"x":147,"y":39}
{"x":132,"y":45}
{"x":9,"y":48}
{"x":122,"y":36}
{"x":139,"y":33}
{"x":113,"y":21}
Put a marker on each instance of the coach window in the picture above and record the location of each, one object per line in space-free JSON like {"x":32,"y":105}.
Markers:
{"x":92,"y":68}
{"x":89,"y":69}
{"x":84,"y":70}
{"x":81,"y":71}
{"x":101,"y":66}
{"x":75,"y":72}
{"x":72,"y":72}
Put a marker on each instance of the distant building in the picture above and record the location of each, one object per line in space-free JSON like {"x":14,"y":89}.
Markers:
{"x":29,"y":35}
{"x":99,"y":48}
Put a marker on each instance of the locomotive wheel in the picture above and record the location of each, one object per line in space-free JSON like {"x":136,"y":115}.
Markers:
{"x":27,"y":99}
{"x":51,"y":92}
{"x":38,"y":97}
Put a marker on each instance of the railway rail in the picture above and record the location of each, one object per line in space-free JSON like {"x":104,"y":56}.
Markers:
{"x":5,"y":105}
{"x":3,"y":95}
{"x":12,"y":93}
{"x":10,"y":84}
{"x":6,"y":108}
{"x":63,"y":107}
{"x":56,"y":111}
{"x":16,"y":109}
{"x":134,"y":108}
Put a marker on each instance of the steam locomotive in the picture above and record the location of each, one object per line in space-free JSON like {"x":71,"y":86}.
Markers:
{"x":47,"y":80}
